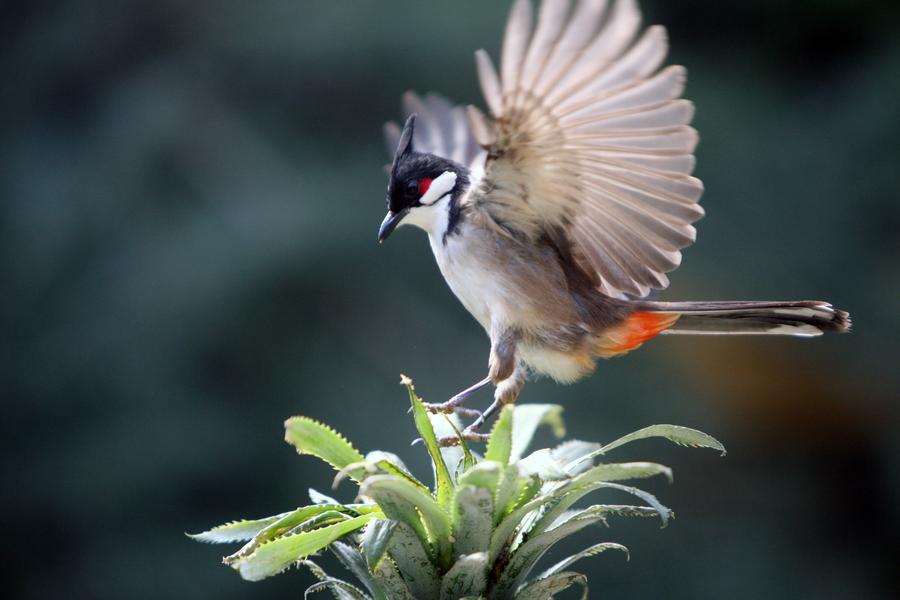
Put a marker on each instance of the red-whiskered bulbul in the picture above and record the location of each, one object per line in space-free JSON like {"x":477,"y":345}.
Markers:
{"x":553,"y":220}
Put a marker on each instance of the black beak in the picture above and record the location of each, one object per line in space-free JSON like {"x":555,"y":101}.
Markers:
{"x":391,"y":220}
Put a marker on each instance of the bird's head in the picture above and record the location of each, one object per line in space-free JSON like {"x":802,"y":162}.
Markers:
{"x":421,"y":187}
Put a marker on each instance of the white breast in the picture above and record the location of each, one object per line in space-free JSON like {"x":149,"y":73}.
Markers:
{"x":466,"y":276}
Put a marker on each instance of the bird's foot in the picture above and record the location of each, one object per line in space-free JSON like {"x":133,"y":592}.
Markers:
{"x":453,"y":405}
{"x":468,"y":434}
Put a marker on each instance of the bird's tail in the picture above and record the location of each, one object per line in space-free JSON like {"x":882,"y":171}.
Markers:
{"x":805,"y":318}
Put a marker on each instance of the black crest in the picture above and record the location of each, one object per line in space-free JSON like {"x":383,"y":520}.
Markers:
{"x":409,"y":168}
{"x":405,"y":145}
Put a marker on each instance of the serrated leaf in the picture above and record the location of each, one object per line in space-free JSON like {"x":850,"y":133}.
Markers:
{"x":275,"y":556}
{"x":317,"y":497}
{"x":544,"y":589}
{"x":508,"y":487}
{"x":472,"y":519}
{"x":388,"y":577}
{"x":375,"y":540}
{"x":467,"y":577}
{"x":544,"y":465}
{"x":499,"y":446}
{"x":353,"y":561}
{"x":527,"y":490}
{"x":504,"y":532}
{"x":460,"y":455}
{"x":321,"y":575}
{"x":317,"y":571}
{"x":621,"y":510}
{"x":401,"y":501}
{"x":552,"y":515}
{"x":570,"y":451}
{"x":341,"y":590}
{"x":358,"y":471}
{"x":304,"y":516}
{"x":664,"y":513}
{"x":329,"y":517}
{"x":591,"y":551}
{"x":683,"y":436}
{"x":485,"y":474}
{"x":523,"y":560}
{"x":235,"y":531}
{"x":442,"y":480}
{"x":413,"y":562}
{"x":526,"y":420}
{"x":572,"y":491}
{"x":311,"y":437}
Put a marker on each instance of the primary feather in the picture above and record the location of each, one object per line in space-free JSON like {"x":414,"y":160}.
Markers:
{"x":589,"y":137}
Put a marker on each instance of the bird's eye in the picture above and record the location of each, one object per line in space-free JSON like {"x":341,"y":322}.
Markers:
{"x":412,"y":188}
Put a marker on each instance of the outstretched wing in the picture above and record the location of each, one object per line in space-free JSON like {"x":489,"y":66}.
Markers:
{"x":441,"y":129}
{"x":590,"y":138}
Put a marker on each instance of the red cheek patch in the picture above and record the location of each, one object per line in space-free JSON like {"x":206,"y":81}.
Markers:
{"x":424,"y":184}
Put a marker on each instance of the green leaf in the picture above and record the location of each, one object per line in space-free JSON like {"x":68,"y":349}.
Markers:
{"x":377,"y":463}
{"x":375,"y":540}
{"x":499,"y":445}
{"x":340,"y":589}
{"x":592,"y":551}
{"x":388,"y":577}
{"x":544,"y":589}
{"x":467,"y":577}
{"x":305,"y":516}
{"x":317,"y":497}
{"x":236,"y":531}
{"x":472,"y":519}
{"x":504,"y":532}
{"x":621,"y":510}
{"x":311,"y":437}
{"x":572,"y":491}
{"x":443,"y":482}
{"x":454,"y":455}
{"x":347,"y":593}
{"x":683,"y":436}
{"x":528,"y":489}
{"x":275,"y":556}
{"x":544,"y":465}
{"x":485,"y":474}
{"x":570,"y":451}
{"x":402,"y":501}
{"x":354,"y":562}
{"x":413,"y":562}
{"x":509,"y":485}
{"x":526,"y":555}
{"x":526,"y":420}
{"x":664,"y":513}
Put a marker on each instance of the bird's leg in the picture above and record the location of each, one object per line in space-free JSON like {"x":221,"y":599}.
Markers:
{"x":505,"y":373}
{"x":455,"y":403}
{"x":506,"y":393}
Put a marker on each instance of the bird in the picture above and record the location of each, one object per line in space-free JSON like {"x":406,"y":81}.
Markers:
{"x":555,"y":217}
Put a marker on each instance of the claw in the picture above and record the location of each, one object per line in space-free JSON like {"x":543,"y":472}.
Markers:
{"x":468,"y":412}
{"x":417,"y":441}
{"x":449,"y":407}
{"x":469,"y":436}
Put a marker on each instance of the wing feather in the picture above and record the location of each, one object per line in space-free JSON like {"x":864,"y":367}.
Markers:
{"x":590,"y":136}
{"x":515,"y":43}
{"x":441,"y":128}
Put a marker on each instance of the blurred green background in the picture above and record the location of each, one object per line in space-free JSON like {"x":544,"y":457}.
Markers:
{"x":190,"y":197}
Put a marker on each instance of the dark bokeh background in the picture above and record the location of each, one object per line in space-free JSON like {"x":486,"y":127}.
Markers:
{"x":190,"y":195}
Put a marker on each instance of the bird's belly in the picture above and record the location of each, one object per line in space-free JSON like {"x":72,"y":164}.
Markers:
{"x":564,"y":367}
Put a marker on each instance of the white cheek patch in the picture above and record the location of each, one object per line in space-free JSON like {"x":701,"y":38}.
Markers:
{"x":439,"y":188}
